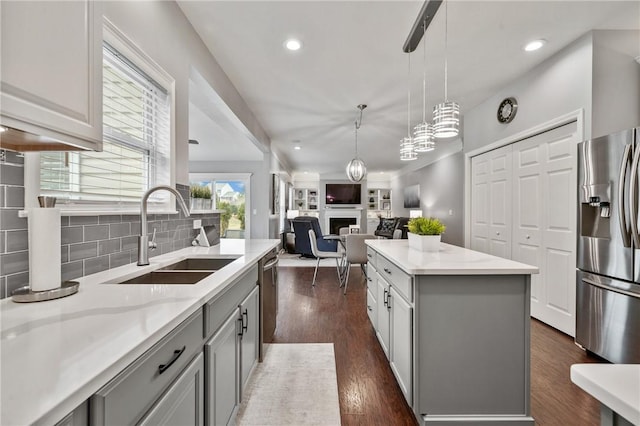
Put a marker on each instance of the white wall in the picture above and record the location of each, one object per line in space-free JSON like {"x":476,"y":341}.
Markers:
{"x":441,"y":191}
{"x":616,"y":81}
{"x":558,"y":86}
{"x":162,"y":31}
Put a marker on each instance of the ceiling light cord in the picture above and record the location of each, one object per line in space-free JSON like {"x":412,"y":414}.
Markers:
{"x":446,"y":31}
{"x":409,"y":98}
{"x":424,"y":72}
{"x":358,"y":123}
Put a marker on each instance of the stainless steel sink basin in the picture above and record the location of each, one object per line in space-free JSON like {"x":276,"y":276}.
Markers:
{"x":198,"y":264}
{"x":168,"y":277}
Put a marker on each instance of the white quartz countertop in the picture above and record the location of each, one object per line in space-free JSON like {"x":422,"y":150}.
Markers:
{"x":615,"y":385}
{"x":449,"y":260}
{"x":55,"y":354}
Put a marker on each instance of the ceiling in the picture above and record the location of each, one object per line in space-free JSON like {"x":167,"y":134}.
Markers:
{"x":352,"y":54}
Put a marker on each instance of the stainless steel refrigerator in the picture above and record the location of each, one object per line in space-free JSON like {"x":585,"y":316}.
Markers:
{"x":608,"y":257}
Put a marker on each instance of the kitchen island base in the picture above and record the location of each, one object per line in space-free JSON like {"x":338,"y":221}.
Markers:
{"x":472,"y":350}
{"x":455,"y":327}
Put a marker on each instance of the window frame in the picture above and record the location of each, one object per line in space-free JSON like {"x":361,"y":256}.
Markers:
{"x":116,"y":39}
{"x":244,"y":177}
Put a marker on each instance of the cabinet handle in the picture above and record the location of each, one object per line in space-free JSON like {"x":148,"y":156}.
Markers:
{"x":369,"y":255}
{"x":528,"y":236}
{"x":387,"y":271}
{"x":176,"y":354}
{"x":497,"y":233}
{"x":245,"y":314}
{"x":389,"y":301}
{"x":384,"y":298}
{"x":369,"y":307}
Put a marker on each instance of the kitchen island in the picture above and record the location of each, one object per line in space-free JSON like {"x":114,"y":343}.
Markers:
{"x":454,"y":325}
{"x":58,"y":354}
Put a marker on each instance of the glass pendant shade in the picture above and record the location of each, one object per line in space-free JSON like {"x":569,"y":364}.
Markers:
{"x":407,"y":150}
{"x":356,"y":170}
{"x":446,"y":119}
{"x":423,"y":137}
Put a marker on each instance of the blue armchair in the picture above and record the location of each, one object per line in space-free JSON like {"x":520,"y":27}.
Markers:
{"x":301,"y":227}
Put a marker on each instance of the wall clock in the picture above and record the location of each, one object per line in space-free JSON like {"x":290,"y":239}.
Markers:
{"x":507,"y":110}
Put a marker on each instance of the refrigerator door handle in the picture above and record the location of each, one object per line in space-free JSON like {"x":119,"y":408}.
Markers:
{"x":610,"y":288}
{"x":633,"y":202}
{"x":626,"y":235}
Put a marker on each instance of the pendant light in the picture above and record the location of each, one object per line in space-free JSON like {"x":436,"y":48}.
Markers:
{"x":407,"y":146}
{"x":446,"y":116}
{"x":356,"y":170}
{"x":423,"y":136}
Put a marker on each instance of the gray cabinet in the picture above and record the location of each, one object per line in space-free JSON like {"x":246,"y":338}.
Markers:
{"x":249,"y":334}
{"x":222,"y":365}
{"x":52,"y":70}
{"x":130,"y":395}
{"x":232,"y":352}
{"x":401,"y":332}
{"x":78,"y":417}
{"x":182,"y":403}
{"x":372,"y":300}
{"x":383,"y":329}
{"x":393,"y":320}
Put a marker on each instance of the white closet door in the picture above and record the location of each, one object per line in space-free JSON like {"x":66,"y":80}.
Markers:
{"x":479,"y":203}
{"x":544,"y":221}
{"x":491,"y":202}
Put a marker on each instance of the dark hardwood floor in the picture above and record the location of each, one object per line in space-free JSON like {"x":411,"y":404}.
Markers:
{"x":368,"y":392}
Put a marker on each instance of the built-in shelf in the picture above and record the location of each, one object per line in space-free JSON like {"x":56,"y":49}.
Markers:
{"x":378,"y":199}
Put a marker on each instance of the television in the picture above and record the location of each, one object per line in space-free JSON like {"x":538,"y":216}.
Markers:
{"x":342,"y":193}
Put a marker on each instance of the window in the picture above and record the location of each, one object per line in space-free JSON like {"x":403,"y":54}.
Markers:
{"x":136,"y":143}
{"x":231,"y":193}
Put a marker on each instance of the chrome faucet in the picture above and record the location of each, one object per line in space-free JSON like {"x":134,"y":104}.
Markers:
{"x":143,"y":240}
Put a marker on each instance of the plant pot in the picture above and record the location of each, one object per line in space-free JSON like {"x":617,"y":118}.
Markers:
{"x":207,"y":204}
{"x":424,"y":242}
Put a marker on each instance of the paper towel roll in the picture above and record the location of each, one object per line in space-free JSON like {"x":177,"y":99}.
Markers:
{"x":44,"y":249}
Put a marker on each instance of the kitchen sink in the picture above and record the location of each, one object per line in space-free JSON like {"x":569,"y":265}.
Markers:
{"x":168,"y":277}
{"x":198,"y":264}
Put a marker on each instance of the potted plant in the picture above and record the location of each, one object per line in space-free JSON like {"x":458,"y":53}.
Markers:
{"x":424,"y":233}
{"x":200,"y":197}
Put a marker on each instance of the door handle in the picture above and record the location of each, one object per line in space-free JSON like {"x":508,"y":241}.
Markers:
{"x":626,"y":237}
{"x":610,"y":288}
{"x":633,"y":202}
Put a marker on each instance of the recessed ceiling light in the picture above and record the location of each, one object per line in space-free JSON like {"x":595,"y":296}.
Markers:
{"x":297,"y":147}
{"x":293,"y":44}
{"x":534,"y":45}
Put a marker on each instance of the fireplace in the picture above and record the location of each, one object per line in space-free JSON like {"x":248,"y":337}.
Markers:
{"x":334,"y":219}
{"x":335,"y":223}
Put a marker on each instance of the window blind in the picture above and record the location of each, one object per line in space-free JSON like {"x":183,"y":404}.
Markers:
{"x":136,"y":143}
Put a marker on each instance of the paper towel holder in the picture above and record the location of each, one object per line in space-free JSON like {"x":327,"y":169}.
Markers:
{"x":25,"y":294}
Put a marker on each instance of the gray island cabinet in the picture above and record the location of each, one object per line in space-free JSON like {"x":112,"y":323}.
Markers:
{"x":454,"y":325}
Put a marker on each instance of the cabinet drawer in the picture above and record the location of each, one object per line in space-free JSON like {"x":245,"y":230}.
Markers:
{"x":216,"y":311}
{"x":125,"y":399}
{"x":400,"y":280}
{"x":371,"y":279}
{"x":371,"y":257}
{"x":372,"y":307}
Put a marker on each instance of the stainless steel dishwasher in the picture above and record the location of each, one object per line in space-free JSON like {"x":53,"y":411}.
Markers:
{"x":268,"y":281}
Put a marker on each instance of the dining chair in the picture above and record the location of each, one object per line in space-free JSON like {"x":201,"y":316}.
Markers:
{"x":356,"y":253}
{"x":324,"y":255}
